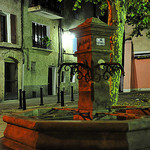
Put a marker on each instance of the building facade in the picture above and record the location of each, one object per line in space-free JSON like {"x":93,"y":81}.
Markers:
{"x":136,"y":62}
{"x":11,"y":57}
{"x":41,"y":47}
{"x":34,"y":42}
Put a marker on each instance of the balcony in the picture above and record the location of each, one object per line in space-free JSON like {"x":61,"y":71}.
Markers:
{"x":46,"y":8}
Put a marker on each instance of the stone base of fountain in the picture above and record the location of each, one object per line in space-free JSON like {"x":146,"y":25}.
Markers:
{"x":25,"y":132}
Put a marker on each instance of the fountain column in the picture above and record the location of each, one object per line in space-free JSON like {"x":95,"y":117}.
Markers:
{"x":93,"y":47}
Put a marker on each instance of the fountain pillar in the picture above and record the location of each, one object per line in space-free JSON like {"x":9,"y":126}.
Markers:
{"x":93,"y":47}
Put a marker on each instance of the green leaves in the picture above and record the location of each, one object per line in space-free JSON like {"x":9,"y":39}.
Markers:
{"x":138,"y":15}
{"x":138,"y":12}
{"x":77,"y":5}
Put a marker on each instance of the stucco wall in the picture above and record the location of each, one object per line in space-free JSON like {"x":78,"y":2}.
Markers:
{"x":9,"y":50}
{"x":141,"y":74}
{"x":140,"y":43}
{"x":13,"y":7}
{"x":44,"y":59}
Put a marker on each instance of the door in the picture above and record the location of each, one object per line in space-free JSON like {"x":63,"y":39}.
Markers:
{"x":50,"y":84}
{"x":11,"y":80}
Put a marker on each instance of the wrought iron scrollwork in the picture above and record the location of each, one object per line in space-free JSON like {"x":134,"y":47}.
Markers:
{"x":110,"y":69}
{"x":82,"y":70}
{"x":94,"y":73}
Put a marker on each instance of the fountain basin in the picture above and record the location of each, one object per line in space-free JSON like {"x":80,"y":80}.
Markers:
{"x":25,"y":132}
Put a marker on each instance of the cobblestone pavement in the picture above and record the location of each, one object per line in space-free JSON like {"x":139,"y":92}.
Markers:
{"x":11,"y":106}
{"x":134,"y":98}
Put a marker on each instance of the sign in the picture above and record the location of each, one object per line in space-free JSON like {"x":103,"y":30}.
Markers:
{"x":100,"y":41}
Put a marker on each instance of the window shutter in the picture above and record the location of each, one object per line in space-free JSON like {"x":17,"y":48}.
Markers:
{"x":13,"y":28}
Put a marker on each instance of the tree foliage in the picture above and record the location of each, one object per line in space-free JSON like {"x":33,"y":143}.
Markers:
{"x":138,"y":15}
{"x":133,"y":12}
{"x":138,"y":12}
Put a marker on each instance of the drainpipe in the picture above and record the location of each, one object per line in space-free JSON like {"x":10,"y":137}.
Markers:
{"x":60,"y":54}
{"x":22,"y":4}
{"x":60,"y":59}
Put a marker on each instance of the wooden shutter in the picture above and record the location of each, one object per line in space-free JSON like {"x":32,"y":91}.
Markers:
{"x":13,"y":28}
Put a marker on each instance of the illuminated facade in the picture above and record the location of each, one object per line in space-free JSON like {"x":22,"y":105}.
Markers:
{"x":34,"y":41}
{"x":136,"y":62}
{"x":11,"y":57}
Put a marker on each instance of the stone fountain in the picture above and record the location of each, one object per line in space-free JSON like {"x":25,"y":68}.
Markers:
{"x":93,"y":126}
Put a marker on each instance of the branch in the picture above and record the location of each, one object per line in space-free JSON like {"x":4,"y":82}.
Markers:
{"x":109,"y":13}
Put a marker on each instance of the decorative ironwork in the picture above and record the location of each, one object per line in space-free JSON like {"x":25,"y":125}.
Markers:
{"x":110,"y":69}
{"x":82,"y":70}
{"x":94,"y":73}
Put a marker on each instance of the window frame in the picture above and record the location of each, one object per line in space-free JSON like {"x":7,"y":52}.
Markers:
{"x":35,"y":36}
{"x":8,"y":25}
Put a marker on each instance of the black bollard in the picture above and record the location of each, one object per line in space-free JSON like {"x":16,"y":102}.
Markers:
{"x":24,"y":100}
{"x":62,"y":98}
{"x":20,"y":99}
{"x":58,"y":95}
{"x":72,"y":98}
{"x":41,"y":96}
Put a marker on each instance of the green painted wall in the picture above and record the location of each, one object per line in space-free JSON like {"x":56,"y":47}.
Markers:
{"x":7,"y":49}
{"x":44,"y":59}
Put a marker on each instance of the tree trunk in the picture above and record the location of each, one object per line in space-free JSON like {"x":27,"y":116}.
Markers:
{"x":118,"y":20}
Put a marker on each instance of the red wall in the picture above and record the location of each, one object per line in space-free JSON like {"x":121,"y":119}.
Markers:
{"x":140,"y":73}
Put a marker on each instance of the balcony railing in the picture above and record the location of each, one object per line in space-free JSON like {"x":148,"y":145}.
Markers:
{"x":52,"y":5}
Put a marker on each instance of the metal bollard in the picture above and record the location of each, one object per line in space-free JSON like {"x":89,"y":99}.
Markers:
{"x":24,"y":100}
{"x":20,"y":99}
{"x":41,"y":96}
{"x":72,"y":98}
{"x":62,"y":98}
{"x":58,"y":95}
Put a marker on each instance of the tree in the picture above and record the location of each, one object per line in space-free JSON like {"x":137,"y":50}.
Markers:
{"x":133,"y":12}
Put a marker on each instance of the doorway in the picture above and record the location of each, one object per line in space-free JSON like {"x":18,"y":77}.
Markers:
{"x":52,"y":81}
{"x":11,"y":80}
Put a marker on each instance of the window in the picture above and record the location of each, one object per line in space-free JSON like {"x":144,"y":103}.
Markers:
{"x":39,"y":35}
{"x":33,"y":64}
{"x":3,"y":28}
{"x":74,"y":44}
{"x":7,"y":28}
